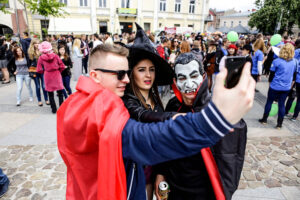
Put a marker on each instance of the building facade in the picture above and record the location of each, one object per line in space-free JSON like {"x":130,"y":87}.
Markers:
{"x":117,"y":16}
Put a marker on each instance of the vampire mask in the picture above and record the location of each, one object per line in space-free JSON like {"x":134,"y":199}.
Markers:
{"x":189,"y":73}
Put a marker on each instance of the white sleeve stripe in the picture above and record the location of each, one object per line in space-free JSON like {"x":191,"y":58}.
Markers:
{"x":211,"y":124}
{"x":218,"y":117}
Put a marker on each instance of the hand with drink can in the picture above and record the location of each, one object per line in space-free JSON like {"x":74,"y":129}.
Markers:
{"x":163,"y":190}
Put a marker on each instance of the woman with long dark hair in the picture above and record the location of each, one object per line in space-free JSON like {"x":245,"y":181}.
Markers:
{"x":66,"y":73}
{"x":141,"y":99}
{"x":22,"y":74}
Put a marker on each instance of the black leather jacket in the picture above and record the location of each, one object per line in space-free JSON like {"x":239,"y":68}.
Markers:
{"x":138,"y":112}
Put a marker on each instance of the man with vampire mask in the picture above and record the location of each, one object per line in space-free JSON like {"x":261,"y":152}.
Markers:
{"x":214,"y":172}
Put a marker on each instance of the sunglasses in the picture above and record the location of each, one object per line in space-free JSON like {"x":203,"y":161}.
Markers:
{"x":120,"y":73}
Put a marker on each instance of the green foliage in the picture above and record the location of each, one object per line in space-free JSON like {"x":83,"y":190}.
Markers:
{"x":46,"y":7}
{"x":3,"y":6}
{"x":268,"y":15}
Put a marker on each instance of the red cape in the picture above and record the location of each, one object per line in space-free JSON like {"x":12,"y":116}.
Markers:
{"x":89,"y":138}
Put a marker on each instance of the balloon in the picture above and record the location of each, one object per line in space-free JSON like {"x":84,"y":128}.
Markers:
{"x":275,"y":39}
{"x":187,"y":35}
{"x":292,"y":109}
{"x":232,"y":36}
{"x":274,"y":110}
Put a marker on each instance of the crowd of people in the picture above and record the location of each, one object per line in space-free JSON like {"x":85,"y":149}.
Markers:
{"x":206,"y":163}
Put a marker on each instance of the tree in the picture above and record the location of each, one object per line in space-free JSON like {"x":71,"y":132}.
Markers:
{"x":269,"y":13}
{"x":3,"y":6}
{"x":45,"y":8}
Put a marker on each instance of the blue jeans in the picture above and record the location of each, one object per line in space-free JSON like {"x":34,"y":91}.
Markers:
{"x":3,"y":182}
{"x":273,"y":95}
{"x":39,"y":81}
{"x":19,"y":80}
{"x":66,"y":82}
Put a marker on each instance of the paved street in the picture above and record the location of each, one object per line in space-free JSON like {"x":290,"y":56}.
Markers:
{"x":29,"y":156}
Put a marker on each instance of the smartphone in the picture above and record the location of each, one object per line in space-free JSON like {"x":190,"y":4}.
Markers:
{"x":234,"y":65}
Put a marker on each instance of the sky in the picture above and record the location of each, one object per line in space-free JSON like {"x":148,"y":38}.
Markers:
{"x":242,"y":5}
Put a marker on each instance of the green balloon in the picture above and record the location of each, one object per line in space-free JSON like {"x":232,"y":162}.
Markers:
{"x":274,"y":110}
{"x":275,"y":39}
{"x":232,"y":36}
{"x":187,"y":35}
{"x":292,"y":109}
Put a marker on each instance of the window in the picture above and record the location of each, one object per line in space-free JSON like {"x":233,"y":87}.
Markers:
{"x":160,"y":24}
{"x":44,"y":27}
{"x":125,"y":3}
{"x":162,"y":5}
{"x":177,"y":25}
{"x":191,"y":25}
{"x":192,"y":6}
{"x":224,"y":23}
{"x":231,"y":23}
{"x":240,"y":22}
{"x":177,"y":5}
{"x":102,"y":3}
{"x":63,"y":1}
{"x":83,"y":2}
{"x":147,"y":27}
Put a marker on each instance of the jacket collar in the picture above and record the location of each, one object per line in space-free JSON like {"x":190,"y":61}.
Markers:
{"x":87,"y":85}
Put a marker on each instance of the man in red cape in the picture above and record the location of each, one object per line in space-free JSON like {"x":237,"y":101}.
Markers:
{"x":105,"y":151}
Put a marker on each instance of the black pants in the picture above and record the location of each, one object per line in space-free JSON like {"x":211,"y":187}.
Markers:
{"x":52,"y":101}
{"x":179,"y":195}
{"x":85,"y":63}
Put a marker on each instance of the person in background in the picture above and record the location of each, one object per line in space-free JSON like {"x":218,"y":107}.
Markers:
{"x":108,"y":38}
{"x":90,"y":41}
{"x":3,"y":62}
{"x":25,"y":43}
{"x":4,"y":183}
{"x":232,"y":51}
{"x":85,"y":52}
{"x":51,"y":66}
{"x":22,"y":74}
{"x":257,"y":59}
{"x":161,"y":48}
{"x":293,"y":94}
{"x":77,"y":59}
{"x":70,"y":45}
{"x":185,"y":47}
{"x":196,"y":50}
{"x":281,"y":77}
{"x":11,"y":67}
{"x":34,"y":54}
{"x":210,"y":62}
{"x":97,"y":40}
{"x":66,"y":73}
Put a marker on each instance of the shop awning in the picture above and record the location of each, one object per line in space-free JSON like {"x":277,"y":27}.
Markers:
{"x":70,"y":25}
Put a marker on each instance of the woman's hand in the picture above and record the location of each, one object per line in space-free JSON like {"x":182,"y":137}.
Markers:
{"x":159,"y":178}
{"x":15,"y":73}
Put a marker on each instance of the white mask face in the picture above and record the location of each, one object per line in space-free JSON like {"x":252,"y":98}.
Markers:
{"x":188,"y":77}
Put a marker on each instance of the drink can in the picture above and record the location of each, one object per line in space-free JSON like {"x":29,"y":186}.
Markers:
{"x":163,"y":190}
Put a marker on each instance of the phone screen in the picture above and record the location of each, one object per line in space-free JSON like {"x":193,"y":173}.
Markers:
{"x":234,"y":65}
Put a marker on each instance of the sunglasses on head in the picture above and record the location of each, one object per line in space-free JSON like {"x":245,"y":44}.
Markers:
{"x":120,"y":73}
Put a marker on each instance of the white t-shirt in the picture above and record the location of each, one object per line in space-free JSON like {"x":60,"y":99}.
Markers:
{"x":96,"y":43}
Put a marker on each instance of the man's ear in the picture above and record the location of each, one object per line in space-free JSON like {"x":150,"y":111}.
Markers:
{"x":95,"y":76}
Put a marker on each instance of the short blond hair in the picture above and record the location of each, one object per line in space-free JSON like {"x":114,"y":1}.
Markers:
{"x":287,"y":52}
{"x":102,"y":50}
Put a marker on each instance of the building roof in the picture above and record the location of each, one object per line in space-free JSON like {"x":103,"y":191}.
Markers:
{"x":224,"y":29}
{"x":241,"y":29}
{"x":211,"y":29}
{"x":239,"y":14}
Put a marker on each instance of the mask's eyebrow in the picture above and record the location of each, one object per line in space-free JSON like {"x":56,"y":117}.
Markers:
{"x":193,"y":72}
{"x":181,"y":75}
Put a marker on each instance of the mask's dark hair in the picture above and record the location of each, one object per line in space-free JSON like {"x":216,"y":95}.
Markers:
{"x":297,"y":44}
{"x":186,"y":58}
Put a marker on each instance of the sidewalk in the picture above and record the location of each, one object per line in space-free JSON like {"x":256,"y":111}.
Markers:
{"x":29,"y":155}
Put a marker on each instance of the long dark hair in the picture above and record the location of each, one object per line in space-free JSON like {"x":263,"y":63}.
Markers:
{"x":153,"y":92}
{"x":66,"y":56}
{"x":15,"y":52}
